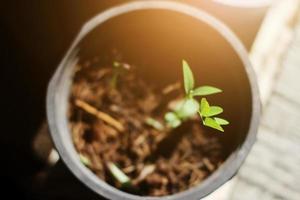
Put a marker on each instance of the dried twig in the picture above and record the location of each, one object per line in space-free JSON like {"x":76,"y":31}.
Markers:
{"x":171,"y":88}
{"x":129,"y":169}
{"x":208,"y":164}
{"x":148,"y":169}
{"x":101,"y":115}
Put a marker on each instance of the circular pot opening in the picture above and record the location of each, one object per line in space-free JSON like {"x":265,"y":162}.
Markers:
{"x":155,"y":37}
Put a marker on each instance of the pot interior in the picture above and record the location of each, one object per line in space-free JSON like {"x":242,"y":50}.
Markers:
{"x":156,"y":41}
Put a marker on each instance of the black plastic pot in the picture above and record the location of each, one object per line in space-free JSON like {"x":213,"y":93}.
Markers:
{"x":156,"y":36}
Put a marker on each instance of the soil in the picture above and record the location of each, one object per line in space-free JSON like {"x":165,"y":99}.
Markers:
{"x":109,"y":125}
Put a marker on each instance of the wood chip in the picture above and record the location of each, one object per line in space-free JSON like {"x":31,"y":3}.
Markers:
{"x":129,"y":169}
{"x":208,"y":164}
{"x":170,"y":88}
{"x":148,"y":169}
{"x":101,"y":115}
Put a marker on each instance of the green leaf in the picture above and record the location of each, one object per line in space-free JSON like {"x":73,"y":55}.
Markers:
{"x":204,"y":107}
{"x":118,"y":174}
{"x":179,"y":105}
{"x":210,"y":122}
{"x":188,"y":77}
{"x":187,"y":108}
{"x":170,"y":116}
{"x":213,"y":110}
{"x":172,"y":119}
{"x":175,"y":123}
{"x":221,"y":121}
{"x":205,"y":90}
{"x":84,"y":160}
{"x":154,"y":123}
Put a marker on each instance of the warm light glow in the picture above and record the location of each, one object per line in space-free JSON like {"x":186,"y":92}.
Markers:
{"x":245,"y":3}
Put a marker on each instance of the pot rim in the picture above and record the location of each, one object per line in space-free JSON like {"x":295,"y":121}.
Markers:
{"x":245,"y":4}
{"x":67,"y":151}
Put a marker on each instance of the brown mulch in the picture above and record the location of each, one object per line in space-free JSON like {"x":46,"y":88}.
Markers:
{"x":108,"y":125}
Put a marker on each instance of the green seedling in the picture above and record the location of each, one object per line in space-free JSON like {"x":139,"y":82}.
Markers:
{"x":118,"y":69}
{"x":208,"y":114}
{"x":190,"y":106}
{"x":116,"y":72}
{"x":154,"y":123}
{"x":118,"y":174}
{"x":84,"y":160}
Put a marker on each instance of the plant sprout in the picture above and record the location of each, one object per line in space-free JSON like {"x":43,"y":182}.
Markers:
{"x":189,"y":106}
{"x":84,"y":160}
{"x":154,"y":123}
{"x":118,"y":68}
{"x":118,"y":174}
{"x":116,"y":72}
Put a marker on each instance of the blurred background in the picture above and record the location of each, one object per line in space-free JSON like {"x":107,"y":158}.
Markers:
{"x":35,"y":36}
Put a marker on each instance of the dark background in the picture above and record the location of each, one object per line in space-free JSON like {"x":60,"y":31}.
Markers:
{"x":34,"y":36}
{"x":33,"y":39}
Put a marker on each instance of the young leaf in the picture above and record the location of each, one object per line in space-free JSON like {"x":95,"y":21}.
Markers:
{"x":154,"y":123}
{"x":118,"y":174}
{"x":187,"y":108}
{"x":210,"y":122}
{"x":214,"y":110}
{"x":221,"y":121}
{"x":204,"y":107}
{"x":175,"y":123}
{"x":172,"y":119}
{"x":84,"y":160}
{"x":170,"y":116}
{"x":188,"y":77}
{"x":205,"y":90}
